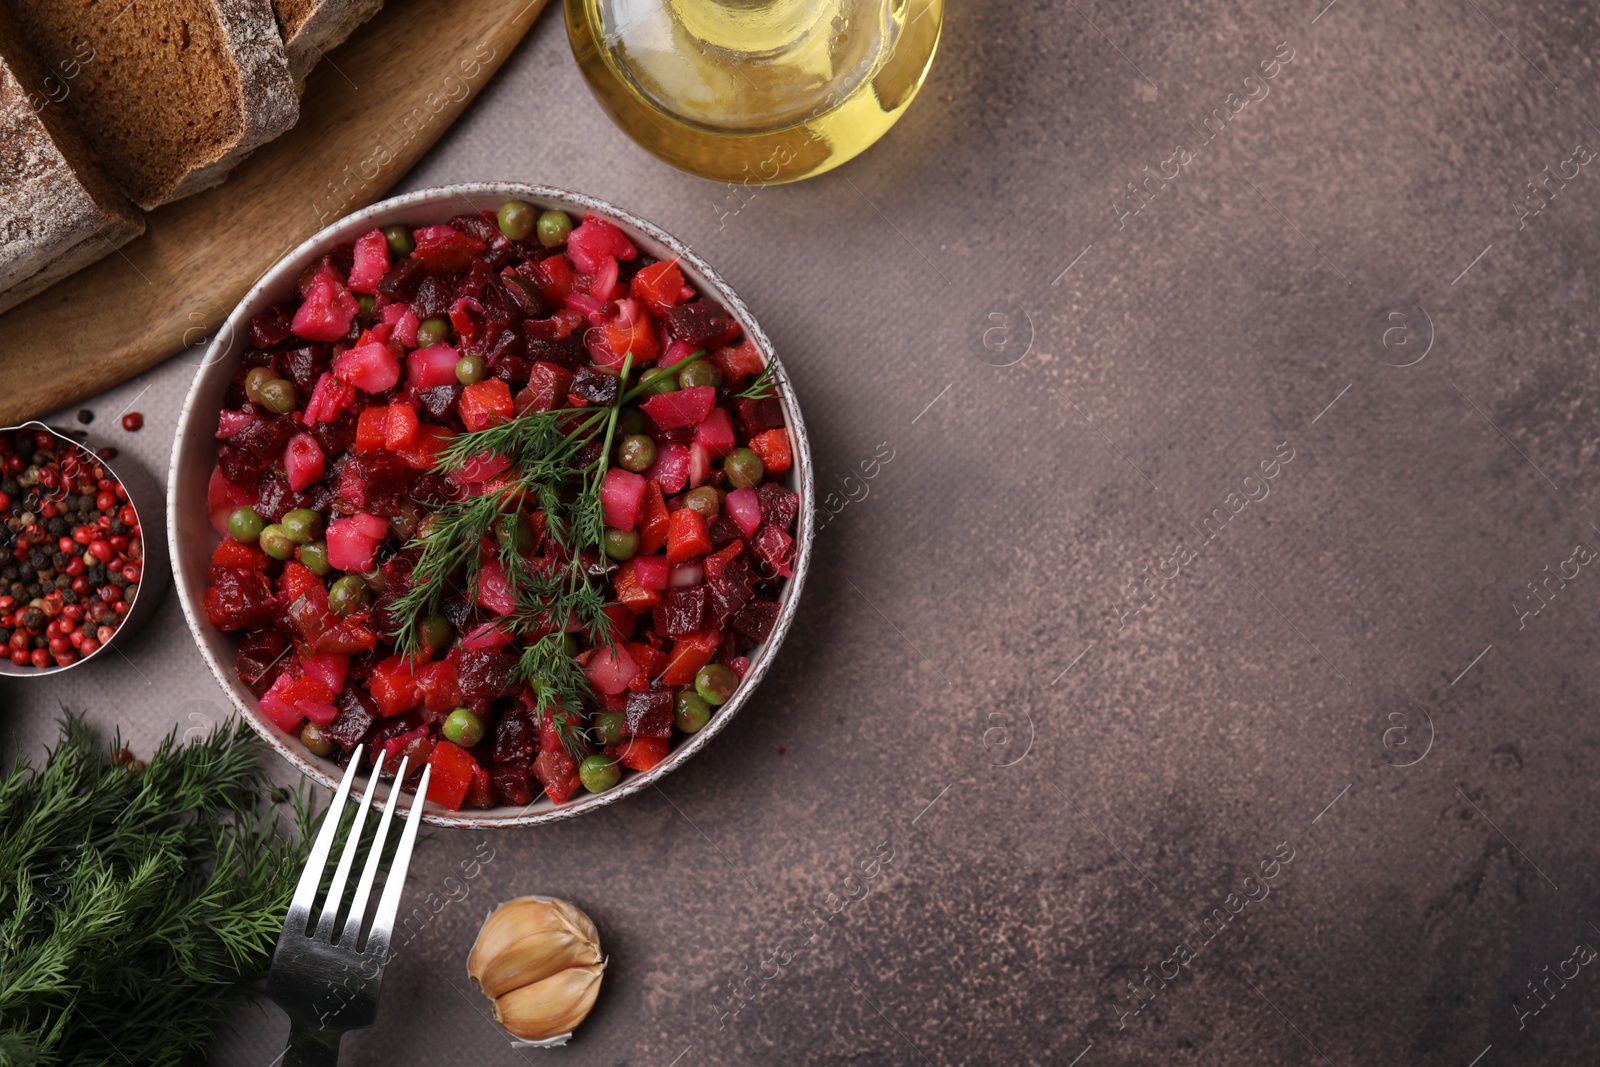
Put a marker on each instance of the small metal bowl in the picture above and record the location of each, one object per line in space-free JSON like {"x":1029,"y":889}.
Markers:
{"x":146,"y":497}
{"x":194,"y":456}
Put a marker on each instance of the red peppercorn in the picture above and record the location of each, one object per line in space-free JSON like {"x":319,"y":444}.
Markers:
{"x":48,"y":510}
{"x":76,"y":639}
{"x":7,"y":603}
{"x":127,"y":516}
{"x":66,"y":659}
{"x":40,"y":658}
{"x":115,"y":566}
{"x":67,"y":545}
{"x":5,"y":502}
{"x":103,"y":634}
{"x":101,"y":550}
{"x":58,"y":645}
{"x":132,"y":421}
{"x":19,"y":658}
{"x":121,"y":607}
{"x":89,"y":647}
{"x":73,"y":612}
{"x":106,"y":500}
{"x":102,"y":523}
{"x":75,"y":567}
{"x":19,"y":641}
{"x":108,"y":452}
{"x":131,"y":572}
{"x":119,"y":542}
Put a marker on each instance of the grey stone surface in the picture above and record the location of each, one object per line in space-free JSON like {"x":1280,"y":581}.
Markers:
{"x":1070,"y":787}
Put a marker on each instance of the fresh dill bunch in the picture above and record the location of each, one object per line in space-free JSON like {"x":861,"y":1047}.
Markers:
{"x":138,"y":903}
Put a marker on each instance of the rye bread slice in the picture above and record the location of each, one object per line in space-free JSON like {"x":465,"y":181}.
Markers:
{"x":312,"y":27}
{"x":172,"y":93}
{"x":58,"y":212}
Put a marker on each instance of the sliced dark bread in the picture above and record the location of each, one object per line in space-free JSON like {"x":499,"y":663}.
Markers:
{"x":312,"y":27}
{"x":58,"y":213}
{"x":174,"y":92}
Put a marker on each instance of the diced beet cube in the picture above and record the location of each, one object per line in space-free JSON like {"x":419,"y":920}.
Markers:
{"x":727,"y":592}
{"x":240,"y":600}
{"x":444,"y":248}
{"x":304,"y":365}
{"x":593,"y":387}
{"x":514,"y":738}
{"x":758,"y":415}
{"x":478,"y":228}
{"x":336,"y":436}
{"x":261,"y":658}
{"x":771,"y":547}
{"x":265,"y":436}
{"x":681,"y":611}
{"x":435,"y":294}
{"x":403,"y":280}
{"x":271,"y":327}
{"x":484,"y":675}
{"x":779,"y":506}
{"x":756,"y":620}
{"x":649,"y":714}
{"x":357,"y":713}
{"x":701,"y":324}
{"x":438,"y":401}
{"x":547,"y":388}
{"x":238,"y":466}
{"x":512,"y":781}
{"x":723,"y":532}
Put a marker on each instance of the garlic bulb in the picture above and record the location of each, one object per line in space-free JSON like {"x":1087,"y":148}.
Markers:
{"x":538,"y":959}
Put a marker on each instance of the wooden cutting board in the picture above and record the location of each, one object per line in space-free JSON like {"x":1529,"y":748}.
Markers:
{"x":371,"y":109}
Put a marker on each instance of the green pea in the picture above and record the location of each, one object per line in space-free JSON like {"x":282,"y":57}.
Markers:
{"x":517,"y":219}
{"x":636,"y":453}
{"x":703,"y":501}
{"x":621,"y":544}
{"x":433,"y":332}
{"x":470,"y":370}
{"x":399,"y":240}
{"x":366,"y":304}
{"x":314,"y":558}
{"x":599,"y":772}
{"x":303,"y":525}
{"x":277,"y":396}
{"x":435,"y":631}
{"x":569,"y":644}
{"x":699,"y":373}
{"x":253,"y":382}
{"x":715,"y":684}
{"x":315,"y":740}
{"x":348,"y":595}
{"x":608,"y":726}
{"x":630,"y":420}
{"x":513,"y":532}
{"x":276,"y":542}
{"x":691,"y":712}
{"x":658,"y":380}
{"x":744,"y":467}
{"x":553,"y":227}
{"x":245,"y":525}
{"x":462,"y":728}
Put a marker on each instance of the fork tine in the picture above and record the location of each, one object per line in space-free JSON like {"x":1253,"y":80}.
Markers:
{"x":394,"y":884}
{"x":306,"y":892}
{"x":347,"y":859}
{"x":358,"y":906}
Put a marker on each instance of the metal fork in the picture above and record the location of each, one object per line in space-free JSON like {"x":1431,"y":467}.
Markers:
{"x":327,"y":985}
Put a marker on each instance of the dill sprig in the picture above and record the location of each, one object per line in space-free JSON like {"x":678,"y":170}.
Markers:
{"x":543,"y":450}
{"x":765,"y":387}
{"x":137,"y":904}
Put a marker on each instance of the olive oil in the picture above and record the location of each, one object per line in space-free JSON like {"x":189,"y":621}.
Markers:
{"x":755,"y":91}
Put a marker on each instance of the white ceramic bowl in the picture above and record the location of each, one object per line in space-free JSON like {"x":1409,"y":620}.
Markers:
{"x":194,"y":455}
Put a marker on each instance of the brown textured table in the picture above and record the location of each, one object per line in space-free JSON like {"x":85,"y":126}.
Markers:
{"x":1088,"y":669}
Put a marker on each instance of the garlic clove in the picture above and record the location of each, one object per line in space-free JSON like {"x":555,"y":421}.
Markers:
{"x":516,"y":920}
{"x":552,"y":1006}
{"x":535,"y":957}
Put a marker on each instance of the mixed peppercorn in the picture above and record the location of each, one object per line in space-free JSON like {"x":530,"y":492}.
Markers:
{"x":334,"y":486}
{"x":74,"y":553}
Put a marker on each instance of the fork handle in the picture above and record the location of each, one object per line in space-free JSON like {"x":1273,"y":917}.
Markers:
{"x":310,"y":1046}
